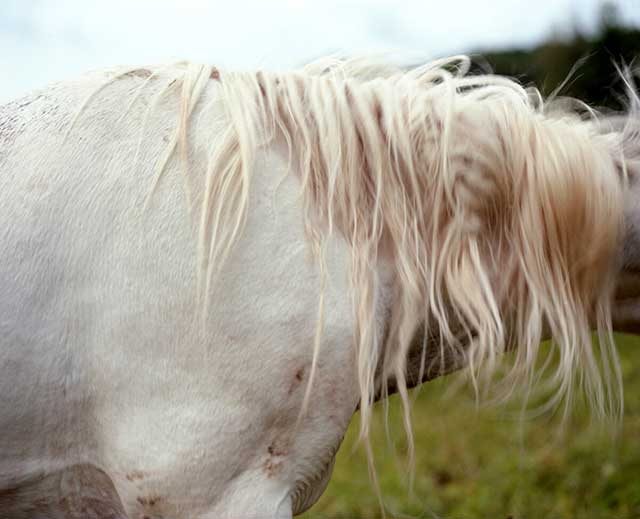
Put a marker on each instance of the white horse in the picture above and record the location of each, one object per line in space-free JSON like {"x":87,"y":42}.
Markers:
{"x":204,"y":274}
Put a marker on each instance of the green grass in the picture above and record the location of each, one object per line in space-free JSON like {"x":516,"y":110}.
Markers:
{"x":483,"y":463}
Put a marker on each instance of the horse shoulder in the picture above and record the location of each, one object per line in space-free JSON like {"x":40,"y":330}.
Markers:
{"x":101,"y":349}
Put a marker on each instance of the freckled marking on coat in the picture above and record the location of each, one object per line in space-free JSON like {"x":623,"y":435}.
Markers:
{"x":274,"y":463}
{"x":135,"y":475}
{"x":272,"y":467}
{"x":297,"y":378}
{"x":150,"y":500}
{"x":273,"y":450}
{"x":16,"y":116}
{"x":12,"y":122}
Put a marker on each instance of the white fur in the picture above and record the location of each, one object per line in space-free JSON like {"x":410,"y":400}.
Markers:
{"x":199,"y":270}
{"x":103,"y":356}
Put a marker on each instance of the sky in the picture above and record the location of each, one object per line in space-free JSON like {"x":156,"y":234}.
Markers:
{"x":48,"y":40}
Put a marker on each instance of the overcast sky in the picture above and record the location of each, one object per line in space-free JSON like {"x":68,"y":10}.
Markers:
{"x":46,"y":40}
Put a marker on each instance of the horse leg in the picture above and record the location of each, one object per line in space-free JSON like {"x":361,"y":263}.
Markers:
{"x":77,"y":492}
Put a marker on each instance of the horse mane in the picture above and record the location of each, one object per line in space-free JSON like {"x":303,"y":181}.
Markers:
{"x":499,"y":214}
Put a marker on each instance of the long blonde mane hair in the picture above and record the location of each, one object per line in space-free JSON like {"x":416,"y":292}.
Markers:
{"x":500,"y":216}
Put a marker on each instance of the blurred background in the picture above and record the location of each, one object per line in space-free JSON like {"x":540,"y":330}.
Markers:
{"x":470,"y":462}
{"x":48,"y":40}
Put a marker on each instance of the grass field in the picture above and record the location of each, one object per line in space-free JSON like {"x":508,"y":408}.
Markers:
{"x":487,"y":464}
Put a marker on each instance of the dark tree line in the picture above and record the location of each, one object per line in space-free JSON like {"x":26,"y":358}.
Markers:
{"x":595,"y":78}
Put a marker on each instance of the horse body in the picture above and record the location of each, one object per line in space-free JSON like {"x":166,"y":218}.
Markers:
{"x":104,"y":358}
{"x":204,"y":275}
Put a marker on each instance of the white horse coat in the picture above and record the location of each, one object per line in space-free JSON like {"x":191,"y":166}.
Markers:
{"x":105,"y":357}
{"x":104,"y":360}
